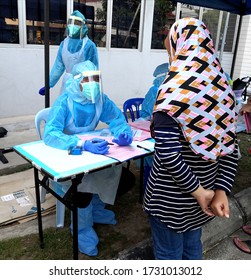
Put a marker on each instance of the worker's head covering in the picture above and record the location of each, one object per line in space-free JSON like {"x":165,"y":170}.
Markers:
{"x":195,"y":91}
{"x":160,"y":73}
{"x":76,"y":27}
{"x":85,"y":85}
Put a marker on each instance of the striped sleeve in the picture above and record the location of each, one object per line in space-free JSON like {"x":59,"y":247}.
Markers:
{"x":226,"y":171}
{"x":168,"y":149}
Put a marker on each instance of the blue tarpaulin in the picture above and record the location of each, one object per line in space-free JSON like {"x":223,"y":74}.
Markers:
{"x":239,"y":7}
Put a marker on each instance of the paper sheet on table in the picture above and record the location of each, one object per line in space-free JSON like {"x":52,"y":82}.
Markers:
{"x":121,"y":153}
{"x":142,"y":125}
{"x":140,"y":135}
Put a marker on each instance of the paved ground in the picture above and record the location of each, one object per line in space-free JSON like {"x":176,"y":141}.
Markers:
{"x":217,"y":235}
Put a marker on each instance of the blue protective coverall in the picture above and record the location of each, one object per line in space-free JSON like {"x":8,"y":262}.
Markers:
{"x":73,"y":114}
{"x":150,"y":97}
{"x":72,"y":51}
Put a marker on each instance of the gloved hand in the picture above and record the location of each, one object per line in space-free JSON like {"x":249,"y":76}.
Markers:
{"x":124,"y":139}
{"x":96,"y":146}
{"x":42,"y":91}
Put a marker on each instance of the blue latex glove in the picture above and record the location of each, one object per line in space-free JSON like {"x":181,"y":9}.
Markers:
{"x":42,"y":91}
{"x":123,"y":140}
{"x":96,"y":146}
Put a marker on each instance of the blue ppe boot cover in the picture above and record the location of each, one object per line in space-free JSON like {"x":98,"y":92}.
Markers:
{"x":100,"y":214}
{"x":87,"y":237}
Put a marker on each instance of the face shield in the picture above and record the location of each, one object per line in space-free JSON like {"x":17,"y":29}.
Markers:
{"x":75,"y":26}
{"x":90,"y":85}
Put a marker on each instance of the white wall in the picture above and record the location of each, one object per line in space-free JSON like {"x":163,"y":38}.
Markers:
{"x":125,"y":74}
{"x":243,"y":67}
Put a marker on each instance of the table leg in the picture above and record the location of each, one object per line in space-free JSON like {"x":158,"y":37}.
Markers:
{"x":141,"y":180}
{"x":39,"y":214}
{"x":75,"y":226}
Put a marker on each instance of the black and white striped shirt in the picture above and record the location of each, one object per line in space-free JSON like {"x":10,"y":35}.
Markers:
{"x":176,"y":172}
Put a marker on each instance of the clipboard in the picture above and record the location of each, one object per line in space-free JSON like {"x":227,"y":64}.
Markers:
{"x":247,"y":119}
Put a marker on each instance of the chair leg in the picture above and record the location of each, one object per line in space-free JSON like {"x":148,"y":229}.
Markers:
{"x":60,"y":213}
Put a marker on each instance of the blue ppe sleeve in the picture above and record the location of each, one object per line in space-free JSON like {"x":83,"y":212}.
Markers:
{"x":91,"y":53}
{"x":113,"y":116}
{"x":58,"y":67}
{"x":148,"y":103}
{"x":57,"y":120}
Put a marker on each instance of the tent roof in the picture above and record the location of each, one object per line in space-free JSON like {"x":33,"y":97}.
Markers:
{"x":240,"y":7}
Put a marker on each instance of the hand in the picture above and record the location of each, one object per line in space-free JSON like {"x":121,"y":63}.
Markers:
{"x":219,"y":205}
{"x":42,"y":91}
{"x":124,"y":139}
{"x":245,"y":108}
{"x":96,"y":146}
{"x":204,"y":198}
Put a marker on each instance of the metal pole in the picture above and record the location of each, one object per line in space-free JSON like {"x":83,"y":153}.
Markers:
{"x":223,"y":42}
{"x":236,"y":47}
{"x":46,"y":53}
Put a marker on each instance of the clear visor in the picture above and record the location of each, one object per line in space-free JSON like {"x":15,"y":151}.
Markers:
{"x":76,"y":21}
{"x":90,"y":85}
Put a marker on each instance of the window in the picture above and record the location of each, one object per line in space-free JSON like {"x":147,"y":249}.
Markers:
{"x":95,"y":13}
{"x":215,"y":21}
{"x":35,"y":21}
{"x":163,"y":19}
{"x":9,"y":22}
{"x":125,"y":24}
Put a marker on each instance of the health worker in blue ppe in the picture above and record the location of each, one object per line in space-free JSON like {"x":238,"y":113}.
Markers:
{"x":159,"y":75}
{"x":77,"y":111}
{"x":150,"y":97}
{"x":75,"y":48}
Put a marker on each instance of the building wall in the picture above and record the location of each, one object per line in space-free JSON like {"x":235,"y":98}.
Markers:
{"x":125,"y":72}
{"x":243,"y":65}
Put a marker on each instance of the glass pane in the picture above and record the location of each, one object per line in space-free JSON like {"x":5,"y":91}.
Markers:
{"x":125,"y":24}
{"x":95,"y":14}
{"x":189,"y":11}
{"x":9,"y":22}
{"x":35,"y":21}
{"x":211,"y":19}
{"x":228,"y":47}
{"x":163,"y":19}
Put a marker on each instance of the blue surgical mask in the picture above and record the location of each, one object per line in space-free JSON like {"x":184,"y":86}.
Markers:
{"x":91,"y":90}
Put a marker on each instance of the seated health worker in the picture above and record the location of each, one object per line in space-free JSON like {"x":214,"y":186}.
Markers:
{"x":75,"y":48}
{"x":79,"y":110}
{"x":196,"y":151}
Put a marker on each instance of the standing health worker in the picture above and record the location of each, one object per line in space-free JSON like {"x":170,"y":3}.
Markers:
{"x":75,"y":48}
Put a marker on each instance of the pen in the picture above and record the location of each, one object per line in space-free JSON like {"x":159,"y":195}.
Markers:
{"x":144,"y":148}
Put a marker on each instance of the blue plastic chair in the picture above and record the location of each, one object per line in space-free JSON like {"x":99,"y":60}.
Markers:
{"x":132,"y":106}
{"x":40,"y":120}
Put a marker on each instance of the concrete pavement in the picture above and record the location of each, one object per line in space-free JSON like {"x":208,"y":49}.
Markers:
{"x":217,"y":235}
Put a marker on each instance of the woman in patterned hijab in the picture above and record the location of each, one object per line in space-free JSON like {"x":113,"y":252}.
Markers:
{"x":196,"y":92}
{"x":196,"y":154}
